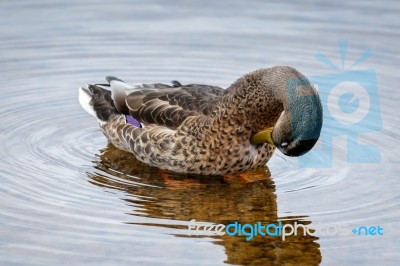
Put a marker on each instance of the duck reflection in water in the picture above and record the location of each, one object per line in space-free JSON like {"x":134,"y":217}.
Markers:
{"x":247,"y":198}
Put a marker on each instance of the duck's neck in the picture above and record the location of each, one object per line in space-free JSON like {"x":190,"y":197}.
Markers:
{"x":250,"y":104}
{"x":257,"y":99}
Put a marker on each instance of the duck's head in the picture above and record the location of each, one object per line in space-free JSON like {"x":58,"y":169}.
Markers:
{"x":298,"y":137}
{"x":299,"y":126}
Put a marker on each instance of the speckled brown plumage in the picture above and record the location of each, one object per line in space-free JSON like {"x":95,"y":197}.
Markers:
{"x":199,"y":129}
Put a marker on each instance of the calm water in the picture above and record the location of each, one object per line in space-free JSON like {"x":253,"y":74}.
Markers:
{"x":69,"y":198}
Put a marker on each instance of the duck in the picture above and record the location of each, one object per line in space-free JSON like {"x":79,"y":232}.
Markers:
{"x":205,"y":129}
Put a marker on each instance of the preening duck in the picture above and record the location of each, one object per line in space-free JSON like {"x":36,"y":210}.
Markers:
{"x":205,"y":129}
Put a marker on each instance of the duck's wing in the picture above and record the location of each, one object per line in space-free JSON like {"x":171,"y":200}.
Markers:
{"x":164,"y":105}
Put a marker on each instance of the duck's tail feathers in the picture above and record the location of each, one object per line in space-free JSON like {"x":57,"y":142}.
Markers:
{"x":97,"y":101}
{"x":119,"y":91}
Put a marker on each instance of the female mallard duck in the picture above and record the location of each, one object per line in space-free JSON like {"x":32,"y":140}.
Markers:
{"x":204,"y":129}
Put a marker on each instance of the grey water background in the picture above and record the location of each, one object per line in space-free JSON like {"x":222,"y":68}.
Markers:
{"x":64,"y":198}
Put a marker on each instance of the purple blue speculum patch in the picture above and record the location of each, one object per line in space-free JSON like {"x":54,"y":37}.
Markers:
{"x":130,"y":120}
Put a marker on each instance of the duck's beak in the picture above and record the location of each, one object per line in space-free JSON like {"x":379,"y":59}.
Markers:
{"x":262,"y":137}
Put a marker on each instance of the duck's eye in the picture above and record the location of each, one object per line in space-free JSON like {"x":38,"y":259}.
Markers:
{"x":284,"y":144}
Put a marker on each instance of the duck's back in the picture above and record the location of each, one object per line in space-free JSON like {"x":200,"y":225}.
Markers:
{"x":162,"y":104}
